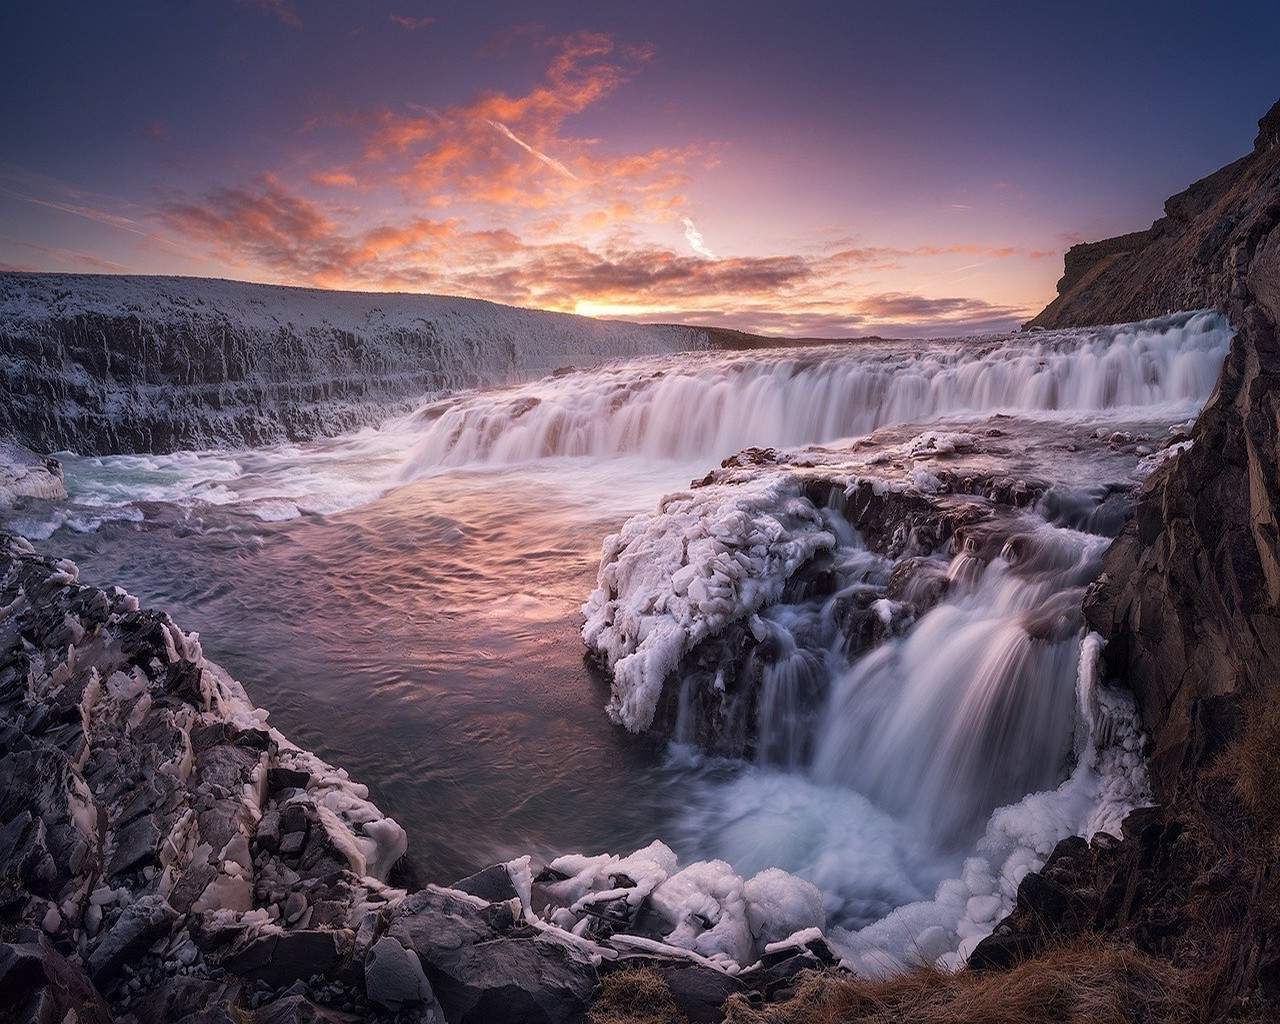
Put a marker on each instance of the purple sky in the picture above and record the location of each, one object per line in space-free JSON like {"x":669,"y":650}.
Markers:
{"x":803,"y":168}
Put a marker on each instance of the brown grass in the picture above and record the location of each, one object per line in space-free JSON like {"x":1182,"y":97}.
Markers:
{"x":1252,"y":765}
{"x":638,"y":996}
{"x":1085,"y":982}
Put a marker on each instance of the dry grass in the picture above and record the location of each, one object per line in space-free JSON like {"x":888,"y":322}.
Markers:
{"x":637,"y":996}
{"x":1087,"y":982}
{"x":1252,"y":764}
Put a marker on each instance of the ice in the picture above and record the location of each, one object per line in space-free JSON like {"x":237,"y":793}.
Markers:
{"x":780,"y":904}
{"x":706,"y":906}
{"x":674,"y":577}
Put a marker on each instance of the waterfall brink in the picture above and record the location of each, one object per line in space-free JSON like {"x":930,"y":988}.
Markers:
{"x":708,"y":406}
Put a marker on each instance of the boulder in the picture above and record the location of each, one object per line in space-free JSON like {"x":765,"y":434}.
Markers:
{"x":393,"y":977}
{"x":148,"y":918}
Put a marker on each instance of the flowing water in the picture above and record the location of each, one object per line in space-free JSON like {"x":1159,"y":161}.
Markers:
{"x":405,"y":600}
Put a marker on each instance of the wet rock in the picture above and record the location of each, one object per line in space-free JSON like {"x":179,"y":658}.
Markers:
{"x":393,"y":977}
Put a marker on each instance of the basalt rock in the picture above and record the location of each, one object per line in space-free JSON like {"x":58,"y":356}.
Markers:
{"x":1189,"y":603}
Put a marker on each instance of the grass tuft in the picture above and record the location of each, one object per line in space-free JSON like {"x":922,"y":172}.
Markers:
{"x":1089,"y":981}
{"x":638,"y":996}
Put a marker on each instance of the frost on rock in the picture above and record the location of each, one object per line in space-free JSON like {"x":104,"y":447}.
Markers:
{"x":673,"y":577}
{"x":705,"y":908}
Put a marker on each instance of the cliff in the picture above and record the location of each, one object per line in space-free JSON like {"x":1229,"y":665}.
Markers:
{"x":1215,"y":246}
{"x":110,"y":364}
{"x":1189,"y":602}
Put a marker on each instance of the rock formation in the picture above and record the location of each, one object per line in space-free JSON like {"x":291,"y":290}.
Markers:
{"x":167,"y":856}
{"x":1190,"y":605}
{"x":118,"y":364}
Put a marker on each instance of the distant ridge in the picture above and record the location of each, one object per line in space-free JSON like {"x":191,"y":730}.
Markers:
{"x":110,"y":364}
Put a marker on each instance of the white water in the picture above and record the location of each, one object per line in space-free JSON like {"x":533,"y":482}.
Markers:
{"x":709,"y":406}
{"x":873,"y":776}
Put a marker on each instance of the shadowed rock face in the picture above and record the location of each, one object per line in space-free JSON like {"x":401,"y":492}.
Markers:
{"x":1190,"y":604}
{"x":1190,"y":596}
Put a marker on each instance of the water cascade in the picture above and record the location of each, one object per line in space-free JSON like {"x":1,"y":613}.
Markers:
{"x":707,"y":406}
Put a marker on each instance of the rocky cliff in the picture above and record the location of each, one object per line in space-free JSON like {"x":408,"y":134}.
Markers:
{"x":1189,"y":602}
{"x":111,"y":364}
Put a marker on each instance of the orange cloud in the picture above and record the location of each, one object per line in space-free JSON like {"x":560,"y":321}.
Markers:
{"x":524,"y":211}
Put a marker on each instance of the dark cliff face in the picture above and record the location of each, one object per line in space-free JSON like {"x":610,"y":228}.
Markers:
{"x":1190,"y":598}
{"x":1189,"y":602}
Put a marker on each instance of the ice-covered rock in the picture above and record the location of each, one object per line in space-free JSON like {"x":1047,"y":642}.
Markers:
{"x":112,"y":364}
{"x":676,"y":576}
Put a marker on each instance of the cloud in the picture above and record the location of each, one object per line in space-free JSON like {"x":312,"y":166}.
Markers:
{"x":694,"y":237}
{"x":445,"y":200}
{"x":410,"y":24}
{"x":282,"y":9}
{"x":904,"y":306}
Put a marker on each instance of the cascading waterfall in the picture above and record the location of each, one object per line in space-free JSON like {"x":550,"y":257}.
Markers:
{"x":709,"y":406}
{"x":973,"y":707}
{"x":879,"y":696}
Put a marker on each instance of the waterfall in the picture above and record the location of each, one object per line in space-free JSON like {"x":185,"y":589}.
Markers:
{"x":707,"y":406}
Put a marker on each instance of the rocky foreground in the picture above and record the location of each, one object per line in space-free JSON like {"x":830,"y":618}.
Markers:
{"x":166,"y":856}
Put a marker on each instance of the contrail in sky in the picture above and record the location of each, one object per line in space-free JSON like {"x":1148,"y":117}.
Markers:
{"x":694,"y":237}
{"x":550,"y":161}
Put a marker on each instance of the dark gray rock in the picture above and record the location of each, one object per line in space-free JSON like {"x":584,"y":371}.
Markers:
{"x":297,"y":1009}
{"x":435,"y":919}
{"x":280,"y":960}
{"x":149,"y":917}
{"x":39,"y":984}
{"x":393,"y":977}
{"x":492,"y":884}
{"x":137,"y":845}
{"x":534,"y":980}
{"x":286,"y":778}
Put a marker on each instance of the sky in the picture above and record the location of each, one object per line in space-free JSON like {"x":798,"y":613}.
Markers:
{"x":806,"y":169}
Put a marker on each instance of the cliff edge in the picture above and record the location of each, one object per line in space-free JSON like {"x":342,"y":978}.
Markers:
{"x":1189,"y":603}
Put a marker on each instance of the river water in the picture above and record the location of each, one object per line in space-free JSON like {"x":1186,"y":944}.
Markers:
{"x":407,"y":600}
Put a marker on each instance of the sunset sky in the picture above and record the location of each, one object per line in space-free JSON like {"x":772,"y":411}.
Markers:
{"x":823,"y":169}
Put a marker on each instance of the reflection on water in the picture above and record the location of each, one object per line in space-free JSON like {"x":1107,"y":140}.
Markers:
{"x":428,"y":643}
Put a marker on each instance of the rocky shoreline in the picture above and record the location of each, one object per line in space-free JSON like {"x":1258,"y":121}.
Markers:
{"x":166,"y":855}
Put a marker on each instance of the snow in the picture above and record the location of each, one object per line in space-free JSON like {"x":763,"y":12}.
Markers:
{"x":676,"y":576}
